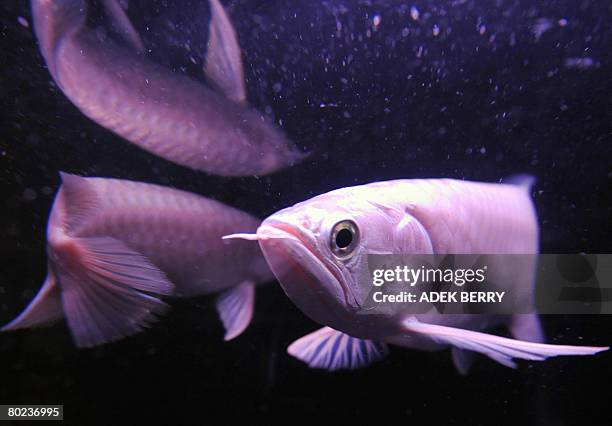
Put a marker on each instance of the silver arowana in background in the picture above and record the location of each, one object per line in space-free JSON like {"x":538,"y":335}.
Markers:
{"x":115,"y":246}
{"x":163,"y":112}
{"x":319,"y":272}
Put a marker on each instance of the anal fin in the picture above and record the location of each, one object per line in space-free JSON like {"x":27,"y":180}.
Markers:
{"x":235,"y":308}
{"x":332,"y":350}
{"x":527,"y":327}
{"x":462,"y":360}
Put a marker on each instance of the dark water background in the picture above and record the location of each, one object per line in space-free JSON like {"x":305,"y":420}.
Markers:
{"x":506,"y":86}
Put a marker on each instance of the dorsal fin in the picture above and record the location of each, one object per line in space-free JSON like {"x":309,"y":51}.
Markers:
{"x":79,"y":199}
{"x":122,"y":25}
{"x":223,"y":60}
{"x":54,"y":20}
{"x":522,"y":179}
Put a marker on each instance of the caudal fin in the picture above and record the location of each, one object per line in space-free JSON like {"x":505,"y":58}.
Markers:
{"x":105,"y":290}
{"x":109,"y":290}
{"x":44,"y":309}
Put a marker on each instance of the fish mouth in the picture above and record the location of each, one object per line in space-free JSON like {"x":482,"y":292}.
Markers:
{"x":295,"y":261}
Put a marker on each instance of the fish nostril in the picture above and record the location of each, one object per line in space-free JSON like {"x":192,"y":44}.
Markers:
{"x":305,"y":222}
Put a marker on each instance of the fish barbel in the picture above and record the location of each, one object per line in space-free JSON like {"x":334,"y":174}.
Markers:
{"x":318,"y":250}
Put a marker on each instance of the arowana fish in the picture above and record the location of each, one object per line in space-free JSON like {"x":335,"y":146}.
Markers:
{"x":318,"y":248}
{"x":163,"y":112}
{"x":115,"y":246}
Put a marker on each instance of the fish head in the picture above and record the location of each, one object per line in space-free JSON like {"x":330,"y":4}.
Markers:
{"x":318,"y":250}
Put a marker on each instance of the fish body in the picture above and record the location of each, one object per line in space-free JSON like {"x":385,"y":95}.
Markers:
{"x":318,"y":249}
{"x":115,"y":246}
{"x":163,"y":112}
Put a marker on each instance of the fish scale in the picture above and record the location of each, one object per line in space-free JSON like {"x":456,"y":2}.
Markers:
{"x":118,"y":243}
{"x":332,"y":284}
{"x":166,"y":113}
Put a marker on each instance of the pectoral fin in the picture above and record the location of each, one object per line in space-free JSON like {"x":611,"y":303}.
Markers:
{"x":333,"y":350}
{"x":235,"y":308}
{"x":223,"y":61}
{"x":501,"y":349}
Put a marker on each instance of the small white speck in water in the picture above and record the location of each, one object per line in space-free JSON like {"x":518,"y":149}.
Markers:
{"x":436,"y":30}
{"x":414,"y":13}
{"x":29,"y":194}
{"x":376,"y":21}
{"x":23,"y":22}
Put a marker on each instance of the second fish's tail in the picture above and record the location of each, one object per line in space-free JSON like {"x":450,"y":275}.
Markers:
{"x":105,"y":290}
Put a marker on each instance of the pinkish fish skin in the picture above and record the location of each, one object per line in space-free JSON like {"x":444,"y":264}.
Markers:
{"x":429,"y":216}
{"x":165,"y":113}
{"x":115,"y":246}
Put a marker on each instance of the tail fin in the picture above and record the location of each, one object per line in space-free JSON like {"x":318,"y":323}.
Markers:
{"x":44,"y":309}
{"x":103,"y":288}
{"x":53,"y":20}
{"x":107,"y":290}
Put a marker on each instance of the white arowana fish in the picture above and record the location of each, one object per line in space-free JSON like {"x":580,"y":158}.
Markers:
{"x":115,"y":246}
{"x":163,"y":112}
{"x":317,"y":250}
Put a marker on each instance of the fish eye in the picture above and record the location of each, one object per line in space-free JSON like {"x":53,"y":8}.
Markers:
{"x":344,"y":238}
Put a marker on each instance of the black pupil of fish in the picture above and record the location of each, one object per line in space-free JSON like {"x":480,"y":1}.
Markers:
{"x":344,"y":238}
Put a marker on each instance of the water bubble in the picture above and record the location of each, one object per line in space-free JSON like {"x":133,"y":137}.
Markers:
{"x":414,"y":13}
{"x":376,"y":21}
{"x":436,"y":30}
{"x":29,"y":194}
{"x":23,"y":22}
{"x":579,"y":63}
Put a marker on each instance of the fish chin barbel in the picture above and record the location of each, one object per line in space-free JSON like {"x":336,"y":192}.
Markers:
{"x":318,"y":249}
{"x":163,"y":112}
{"x":115,"y":247}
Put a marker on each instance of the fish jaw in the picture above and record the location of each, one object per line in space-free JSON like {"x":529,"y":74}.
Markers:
{"x":314,"y":285}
